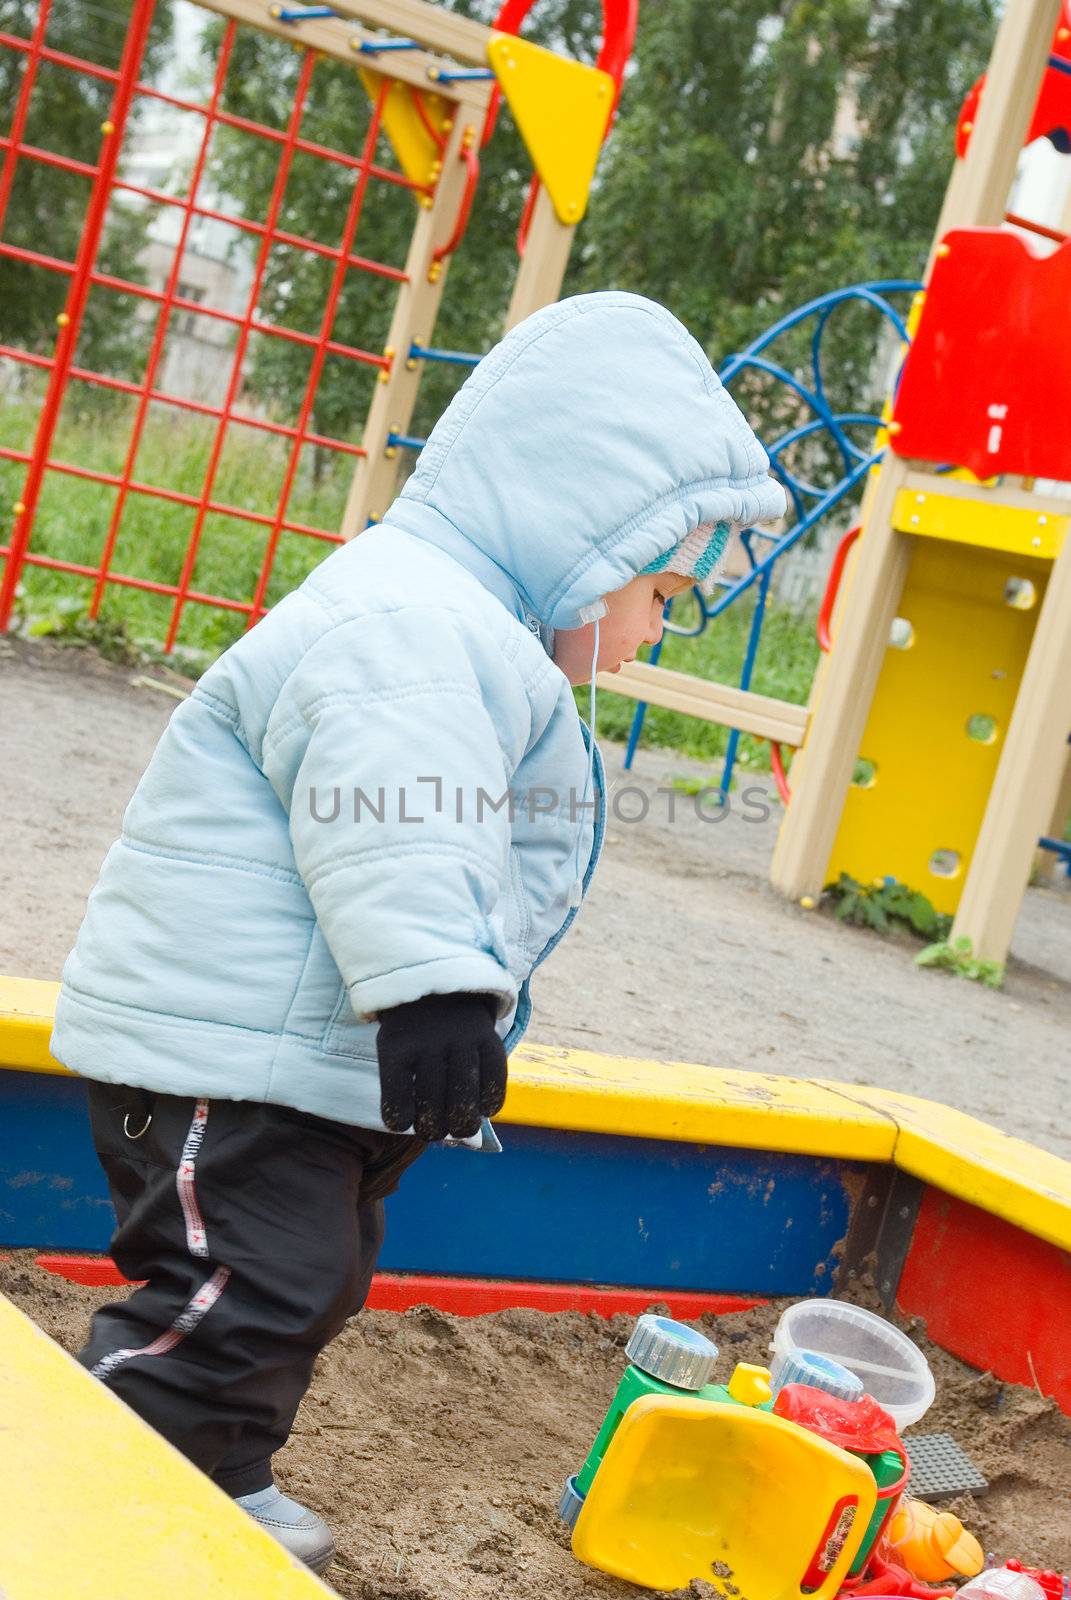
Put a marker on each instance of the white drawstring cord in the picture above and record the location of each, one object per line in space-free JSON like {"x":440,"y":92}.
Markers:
{"x":576,"y":894}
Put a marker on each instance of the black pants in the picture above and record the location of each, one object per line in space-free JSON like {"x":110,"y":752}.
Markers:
{"x":257,"y":1229}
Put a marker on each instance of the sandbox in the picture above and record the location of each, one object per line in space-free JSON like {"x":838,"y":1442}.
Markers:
{"x":436,"y":1440}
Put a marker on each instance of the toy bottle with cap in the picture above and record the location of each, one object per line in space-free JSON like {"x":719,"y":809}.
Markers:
{"x":819,"y":1394}
{"x":666,"y":1357}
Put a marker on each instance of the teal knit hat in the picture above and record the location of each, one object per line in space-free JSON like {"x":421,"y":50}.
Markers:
{"x":699,"y":554}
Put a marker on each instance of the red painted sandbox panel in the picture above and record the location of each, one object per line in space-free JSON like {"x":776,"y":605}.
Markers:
{"x":992,"y":1294}
{"x":466,"y":1297}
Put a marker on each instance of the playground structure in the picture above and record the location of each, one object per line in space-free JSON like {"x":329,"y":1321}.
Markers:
{"x":434,"y":81}
{"x":953,"y":801}
{"x":935,"y":747}
{"x":965,"y":731}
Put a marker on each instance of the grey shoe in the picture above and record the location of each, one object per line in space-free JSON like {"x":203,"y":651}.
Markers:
{"x":303,"y":1533}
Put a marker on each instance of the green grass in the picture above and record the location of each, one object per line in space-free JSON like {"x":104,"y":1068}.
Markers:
{"x":74,"y":514}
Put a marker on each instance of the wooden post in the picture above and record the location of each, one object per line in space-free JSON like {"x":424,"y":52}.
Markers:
{"x":1032,"y":764}
{"x":542,"y":268}
{"x":414,"y":316}
{"x":822,"y":769}
{"x":977,"y":195}
{"x":846,"y":680}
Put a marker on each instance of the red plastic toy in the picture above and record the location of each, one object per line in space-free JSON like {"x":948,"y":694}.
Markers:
{"x":886,"y":1578}
{"x":1055,"y":1584}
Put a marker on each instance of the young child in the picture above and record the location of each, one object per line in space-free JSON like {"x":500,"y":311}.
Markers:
{"x":309,"y":953}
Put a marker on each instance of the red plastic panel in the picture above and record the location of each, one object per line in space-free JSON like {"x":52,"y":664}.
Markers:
{"x":472,"y":1297}
{"x":992,"y":1294}
{"x":466,"y":1297}
{"x":987,"y":381}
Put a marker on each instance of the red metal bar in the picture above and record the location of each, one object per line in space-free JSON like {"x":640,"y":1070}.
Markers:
{"x":244,"y":124}
{"x":133,"y":51}
{"x":470,"y":156}
{"x":163,"y":318}
{"x":422,"y":112}
{"x":22,"y":106}
{"x":829,"y":599}
{"x":49,"y":158}
{"x":338,"y":278}
{"x":221,"y":602}
{"x":1037,"y":227}
{"x":177,"y":497}
{"x":278,"y":190}
{"x":777,"y":767}
{"x":378,"y":269}
{"x":160,"y":397}
{"x":526,"y":214}
{"x":85,"y":169}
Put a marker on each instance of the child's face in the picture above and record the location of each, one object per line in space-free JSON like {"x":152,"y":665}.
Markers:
{"x":633,"y":617}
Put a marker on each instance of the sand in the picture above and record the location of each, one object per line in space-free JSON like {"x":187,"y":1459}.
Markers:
{"x":437,"y":1446}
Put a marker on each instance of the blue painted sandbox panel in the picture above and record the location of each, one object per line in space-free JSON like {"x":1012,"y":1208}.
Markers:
{"x":555,"y":1205}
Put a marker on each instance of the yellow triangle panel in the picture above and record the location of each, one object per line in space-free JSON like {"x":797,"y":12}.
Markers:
{"x":561,"y":108}
{"x":416,"y":149}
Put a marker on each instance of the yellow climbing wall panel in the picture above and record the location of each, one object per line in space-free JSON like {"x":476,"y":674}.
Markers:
{"x":969,"y":616}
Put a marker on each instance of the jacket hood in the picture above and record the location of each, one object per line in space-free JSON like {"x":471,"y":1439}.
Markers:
{"x":586,"y":445}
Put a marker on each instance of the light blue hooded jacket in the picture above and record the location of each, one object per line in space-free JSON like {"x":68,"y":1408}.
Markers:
{"x":309,"y":846}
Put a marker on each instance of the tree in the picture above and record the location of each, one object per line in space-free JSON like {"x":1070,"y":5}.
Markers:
{"x":46,"y":209}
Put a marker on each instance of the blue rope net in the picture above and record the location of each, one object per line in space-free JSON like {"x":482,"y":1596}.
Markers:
{"x":821,"y":455}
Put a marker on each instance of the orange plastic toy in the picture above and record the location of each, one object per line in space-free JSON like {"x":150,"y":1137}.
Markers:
{"x":932,"y":1545}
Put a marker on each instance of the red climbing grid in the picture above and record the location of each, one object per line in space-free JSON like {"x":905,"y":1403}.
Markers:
{"x":84,"y":274}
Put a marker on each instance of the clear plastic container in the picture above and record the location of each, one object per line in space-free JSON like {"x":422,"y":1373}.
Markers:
{"x":997,"y":1583}
{"x":892,"y":1369}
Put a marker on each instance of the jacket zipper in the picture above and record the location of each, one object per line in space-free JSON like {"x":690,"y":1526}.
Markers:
{"x":524,"y":1002}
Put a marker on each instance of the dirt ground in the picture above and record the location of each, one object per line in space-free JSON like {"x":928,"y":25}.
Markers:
{"x":437,"y":1446}
{"x":682,"y":951}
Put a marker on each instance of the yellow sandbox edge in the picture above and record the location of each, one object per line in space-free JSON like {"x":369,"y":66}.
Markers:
{"x":584,"y":1092}
{"x":89,"y":1488}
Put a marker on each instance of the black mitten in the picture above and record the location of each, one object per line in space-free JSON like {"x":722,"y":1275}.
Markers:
{"x":441,"y":1065}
